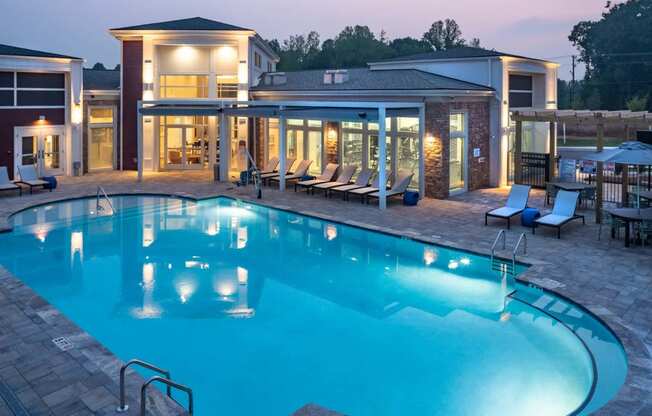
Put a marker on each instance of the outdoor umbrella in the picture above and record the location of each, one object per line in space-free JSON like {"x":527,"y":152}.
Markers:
{"x":628,"y":153}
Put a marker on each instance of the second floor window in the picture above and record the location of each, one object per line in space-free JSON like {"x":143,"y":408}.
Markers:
{"x":184,"y":86}
{"x":227,"y":86}
{"x":258,"y":61}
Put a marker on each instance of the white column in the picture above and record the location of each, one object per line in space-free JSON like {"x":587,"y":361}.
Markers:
{"x":422,"y":155}
{"x":224,"y":147}
{"x":382,"y":157}
{"x":139,"y":127}
{"x":282,"y":156}
{"x":212,"y":141}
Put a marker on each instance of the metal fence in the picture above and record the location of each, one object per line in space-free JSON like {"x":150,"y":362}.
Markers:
{"x":612,"y":187}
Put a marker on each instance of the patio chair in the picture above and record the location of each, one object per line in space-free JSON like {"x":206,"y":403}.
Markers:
{"x":271,"y":166}
{"x":326,"y":176}
{"x":6,"y":184}
{"x":362,"y":192}
{"x":288,"y":171}
{"x":29,"y":177}
{"x":362,"y":181}
{"x":299,"y":172}
{"x":400,"y":185}
{"x":515,"y":205}
{"x":562,"y":212}
{"x":344,"y":178}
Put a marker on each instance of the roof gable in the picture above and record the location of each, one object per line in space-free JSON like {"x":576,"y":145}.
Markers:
{"x":193,"y":23}
{"x":9,"y":50}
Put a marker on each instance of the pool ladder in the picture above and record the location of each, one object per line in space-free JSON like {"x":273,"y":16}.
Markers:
{"x":102,"y":193}
{"x":501,"y":265}
{"x":165,"y":379}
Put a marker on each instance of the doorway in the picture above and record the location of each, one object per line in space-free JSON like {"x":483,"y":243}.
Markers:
{"x":184,"y":146}
{"x":458,"y":149}
{"x":40,"y":146}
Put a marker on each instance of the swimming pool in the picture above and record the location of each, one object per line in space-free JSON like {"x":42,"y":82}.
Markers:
{"x":261,"y":311}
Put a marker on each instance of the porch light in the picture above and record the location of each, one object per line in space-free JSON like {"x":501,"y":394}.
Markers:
{"x":41,"y":118}
{"x":76,"y":115}
{"x":243,"y":73}
{"x":332,"y":134}
{"x":148,"y":73}
{"x":430,"y":140}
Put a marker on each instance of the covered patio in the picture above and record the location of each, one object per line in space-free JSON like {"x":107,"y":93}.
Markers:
{"x":377,"y":112}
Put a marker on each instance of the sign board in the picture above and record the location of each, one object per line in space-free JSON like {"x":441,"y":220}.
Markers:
{"x":567,"y":170}
{"x":476,"y":152}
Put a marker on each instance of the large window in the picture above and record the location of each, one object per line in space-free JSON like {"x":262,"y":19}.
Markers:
{"x":304,"y":141}
{"x":272,"y":138}
{"x":227,"y":86}
{"x":458,"y":148}
{"x":27,"y":89}
{"x":520,"y":91}
{"x":184,"y":86}
{"x":184,"y":142}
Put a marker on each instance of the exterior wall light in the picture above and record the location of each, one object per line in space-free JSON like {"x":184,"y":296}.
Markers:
{"x":332,"y":134}
{"x":430,"y":140}
{"x":76,"y":115}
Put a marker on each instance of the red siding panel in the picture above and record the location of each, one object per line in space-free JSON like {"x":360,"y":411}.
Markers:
{"x":10,"y":118}
{"x":132,"y":91}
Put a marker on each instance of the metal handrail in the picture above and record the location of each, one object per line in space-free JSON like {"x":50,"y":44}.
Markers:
{"x":123,"y":405}
{"x":521,"y":239}
{"x":97,"y":203}
{"x":169,"y":384}
{"x":501,"y":234}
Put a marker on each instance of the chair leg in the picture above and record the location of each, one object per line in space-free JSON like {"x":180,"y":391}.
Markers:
{"x":509,"y":223}
{"x":485,"y":219}
{"x":559,"y":233}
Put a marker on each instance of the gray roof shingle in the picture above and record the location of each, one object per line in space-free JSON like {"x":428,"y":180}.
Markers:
{"x":101,"y":79}
{"x":366,"y":79}
{"x":462,"y":52}
{"x":193,"y":23}
{"x":9,"y":50}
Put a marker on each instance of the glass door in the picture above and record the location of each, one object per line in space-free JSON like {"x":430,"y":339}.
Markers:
{"x":314,"y":151}
{"x":100,"y":148}
{"x":194,"y":148}
{"x":174,"y":147}
{"x":457,"y":153}
{"x":41,"y":147}
{"x":50,"y":154}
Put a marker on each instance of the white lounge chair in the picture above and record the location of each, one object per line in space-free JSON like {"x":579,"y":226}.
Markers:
{"x":6,"y":184}
{"x":562,"y":212}
{"x":271,"y":166}
{"x":343,"y":178}
{"x":289,"y":163}
{"x":362,"y":181}
{"x":326,"y":176}
{"x":516,"y":204}
{"x":400,"y":185}
{"x":299,"y":172}
{"x":29,"y":177}
{"x":362,"y":192}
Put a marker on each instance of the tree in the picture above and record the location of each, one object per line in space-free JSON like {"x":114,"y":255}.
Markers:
{"x":444,"y":35}
{"x":617,"y":53}
{"x":99,"y":65}
{"x":409,"y":46}
{"x":117,"y":67}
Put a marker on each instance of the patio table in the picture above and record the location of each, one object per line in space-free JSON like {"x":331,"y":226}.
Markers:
{"x":629,"y":216}
{"x":646,"y":195}
{"x":572,"y":186}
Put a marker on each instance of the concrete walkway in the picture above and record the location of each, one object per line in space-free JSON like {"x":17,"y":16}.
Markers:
{"x":611,"y":281}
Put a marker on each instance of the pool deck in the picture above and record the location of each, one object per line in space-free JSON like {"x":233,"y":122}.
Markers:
{"x":613,"y":282}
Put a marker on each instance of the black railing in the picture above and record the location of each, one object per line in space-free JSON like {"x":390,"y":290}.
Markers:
{"x":535,"y":169}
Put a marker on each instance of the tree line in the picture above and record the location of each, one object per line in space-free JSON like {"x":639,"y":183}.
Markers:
{"x":356,"y":45}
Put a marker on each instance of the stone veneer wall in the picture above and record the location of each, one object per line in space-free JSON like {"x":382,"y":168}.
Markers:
{"x":260,"y":142}
{"x":437,"y":152}
{"x":332,"y":146}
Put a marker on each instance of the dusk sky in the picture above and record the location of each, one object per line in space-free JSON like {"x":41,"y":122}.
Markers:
{"x":80,"y":28}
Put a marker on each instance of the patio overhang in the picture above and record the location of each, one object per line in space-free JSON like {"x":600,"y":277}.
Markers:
{"x":283,"y":110}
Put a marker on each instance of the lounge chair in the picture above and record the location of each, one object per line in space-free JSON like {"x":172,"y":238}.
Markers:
{"x":288,"y":171}
{"x":398,"y":188}
{"x":362,"y":192}
{"x":362,"y":181}
{"x":271,"y":166}
{"x":298,"y":173}
{"x":29,"y":177}
{"x":344,"y":178}
{"x":326,"y":176}
{"x":516,"y":204}
{"x":6,"y":184}
{"x":562,"y":212}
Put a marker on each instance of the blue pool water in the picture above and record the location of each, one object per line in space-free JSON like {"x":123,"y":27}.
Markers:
{"x":261,"y":311}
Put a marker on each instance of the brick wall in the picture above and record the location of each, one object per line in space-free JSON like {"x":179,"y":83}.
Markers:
{"x":261,"y":162}
{"x":437,"y":152}
{"x":332,"y":145}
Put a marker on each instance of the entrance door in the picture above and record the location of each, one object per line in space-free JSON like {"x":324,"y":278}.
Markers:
{"x":40,"y":146}
{"x":457,"y":153}
{"x":184,"y":149}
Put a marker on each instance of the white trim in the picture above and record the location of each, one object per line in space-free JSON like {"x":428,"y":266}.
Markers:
{"x":40,"y":132}
{"x":465,"y":152}
{"x":89,"y":126}
{"x":381,"y":93}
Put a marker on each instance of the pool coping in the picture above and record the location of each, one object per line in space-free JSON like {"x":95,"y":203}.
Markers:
{"x":529,"y":277}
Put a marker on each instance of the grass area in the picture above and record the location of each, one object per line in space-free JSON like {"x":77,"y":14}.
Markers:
{"x":574,"y":141}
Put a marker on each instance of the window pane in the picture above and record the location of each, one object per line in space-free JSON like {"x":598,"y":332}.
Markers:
{"x":408,"y":124}
{"x":272,"y":139}
{"x":227,"y":86}
{"x":457,"y":123}
{"x":374,"y":151}
{"x":295,"y":144}
{"x":352,"y":149}
{"x":408,"y":157}
{"x":314,"y":123}
{"x":7,"y":97}
{"x":375,"y":126}
{"x":6,"y":79}
{"x":100,"y":149}
{"x":184,"y":86}
{"x":101,"y":115}
{"x":351,"y":125}
{"x":295,"y":122}
{"x":36,"y":80}
{"x":36,"y":98}
{"x":520,"y":83}
{"x":520,"y":99}
{"x":456,"y":163}
{"x":314,"y":151}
